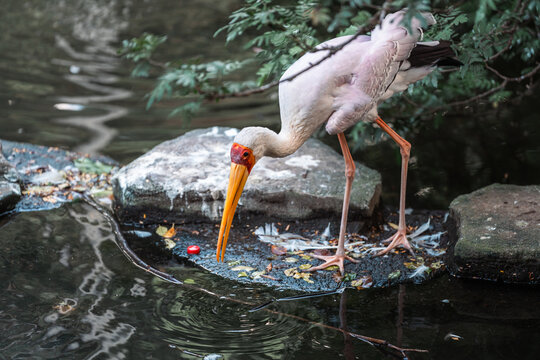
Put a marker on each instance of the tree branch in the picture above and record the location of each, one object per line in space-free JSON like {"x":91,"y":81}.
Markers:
{"x":332,"y":50}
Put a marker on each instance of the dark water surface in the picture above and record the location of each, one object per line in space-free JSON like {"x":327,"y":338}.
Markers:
{"x":68,"y":256}
{"x":68,"y":292}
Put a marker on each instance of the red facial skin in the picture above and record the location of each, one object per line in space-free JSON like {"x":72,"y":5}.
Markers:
{"x":242,"y":155}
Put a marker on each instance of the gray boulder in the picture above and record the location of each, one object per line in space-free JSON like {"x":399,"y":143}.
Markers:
{"x":10,"y":191}
{"x":498,"y":233}
{"x":186,"y":178}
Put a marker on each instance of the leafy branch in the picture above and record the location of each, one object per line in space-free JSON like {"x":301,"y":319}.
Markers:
{"x":493,"y":38}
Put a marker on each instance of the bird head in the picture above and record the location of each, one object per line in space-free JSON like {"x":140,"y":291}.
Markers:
{"x":242,"y":161}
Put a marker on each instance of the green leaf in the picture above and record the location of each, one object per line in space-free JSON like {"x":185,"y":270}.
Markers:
{"x":86,"y":165}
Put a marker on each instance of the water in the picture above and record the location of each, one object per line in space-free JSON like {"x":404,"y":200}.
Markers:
{"x":68,"y":256}
{"x":68,"y":292}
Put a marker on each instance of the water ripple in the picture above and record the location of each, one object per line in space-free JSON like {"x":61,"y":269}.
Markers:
{"x":203,"y":326}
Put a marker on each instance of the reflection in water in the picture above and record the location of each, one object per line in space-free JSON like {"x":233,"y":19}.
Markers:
{"x":98,"y":26}
{"x":98,"y":67}
{"x":104,"y":329}
{"x":44,"y":286}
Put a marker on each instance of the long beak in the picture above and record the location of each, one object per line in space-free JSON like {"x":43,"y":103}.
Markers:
{"x":237,"y":180}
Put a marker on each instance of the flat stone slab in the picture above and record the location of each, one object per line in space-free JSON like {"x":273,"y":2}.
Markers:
{"x":498,"y":232}
{"x":186,"y":178}
{"x":248,"y":260}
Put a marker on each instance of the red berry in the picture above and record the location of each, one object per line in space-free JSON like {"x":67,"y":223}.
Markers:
{"x":193,"y":249}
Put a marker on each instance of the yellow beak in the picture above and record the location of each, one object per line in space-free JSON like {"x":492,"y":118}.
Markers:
{"x":237,"y":180}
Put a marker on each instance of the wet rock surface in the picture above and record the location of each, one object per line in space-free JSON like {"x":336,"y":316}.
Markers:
{"x":186,"y":178}
{"x":45,"y":177}
{"x":250,"y":261}
{"x":498,"y":234}
{"x":10,"y":191}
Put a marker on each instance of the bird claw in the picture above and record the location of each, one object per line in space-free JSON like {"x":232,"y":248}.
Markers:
{"x":399,"y":238}
{"x":332,"y":260}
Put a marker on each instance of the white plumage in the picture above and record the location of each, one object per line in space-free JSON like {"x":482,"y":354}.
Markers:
{"x":340,"y":91}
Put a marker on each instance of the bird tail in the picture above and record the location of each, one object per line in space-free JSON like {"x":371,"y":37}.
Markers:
{"x":435,"y":53}
{"x":392,"y":29}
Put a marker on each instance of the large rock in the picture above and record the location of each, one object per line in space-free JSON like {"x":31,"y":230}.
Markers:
{"x":186,"y":178}
{"x":498,"y":232}
{"x":10,"y":191}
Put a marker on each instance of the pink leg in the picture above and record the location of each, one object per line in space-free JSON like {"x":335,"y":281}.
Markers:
{"x":400,"y":237}
{"x":340,"y":256}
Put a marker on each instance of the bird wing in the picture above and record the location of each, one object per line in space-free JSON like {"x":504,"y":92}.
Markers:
{"x":357,"y":93}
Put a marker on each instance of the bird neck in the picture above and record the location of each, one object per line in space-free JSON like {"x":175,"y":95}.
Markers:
{"x":282,"y":144}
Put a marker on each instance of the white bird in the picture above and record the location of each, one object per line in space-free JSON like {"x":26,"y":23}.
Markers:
{"x":340,"y":91}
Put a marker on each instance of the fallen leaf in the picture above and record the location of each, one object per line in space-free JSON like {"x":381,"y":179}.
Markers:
{"x":233,"y":263}
{"x":436,"y":265}
{"x":169,"y":244}
{"x":306,"y":277}
{"x":242,"y":274}
{"x":393,"y":226}
{"x":410,"y":265}
{"x":243,"y":268}
{"x":364,"y":282}
{"x":321,"y":252}
{"x":189,"y":281}
{"x":290,"y":259}
{"x":87,"y":165}
{"x":394,"y":275}
{"x":170,"y":233}
{"x":349,"y":277}
{"x":269,"y":267}
{"x":332,"y":268}
{"x":257,"y":274}
{"x":306,"y":257}
{"x":278,"y":250}
{"x":305,"y":266}
{"x":290,"y":272}
{"x":161,"y":230}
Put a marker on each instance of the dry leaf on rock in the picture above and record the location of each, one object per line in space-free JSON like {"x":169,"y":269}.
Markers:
{"x":170,"y":233}
{"x":278,"y":250}
{"x":243,"y":268}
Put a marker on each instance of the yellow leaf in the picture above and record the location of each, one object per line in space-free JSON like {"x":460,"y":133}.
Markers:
{"x":161,"y":230}
{"x":242,"y":274}
{"x":393,"y":226}
{"x":305,"y":266}
{"x":332,"y":268}
{"x":306,"y":257}
{"x":290,"y":272}
{"x":169,"y":244}
{"x":410,"y":265}
{"x":290,"y":259}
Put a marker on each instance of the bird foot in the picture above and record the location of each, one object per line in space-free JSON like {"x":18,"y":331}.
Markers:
{"x":399,"y":238}
{"x":332,"y":260}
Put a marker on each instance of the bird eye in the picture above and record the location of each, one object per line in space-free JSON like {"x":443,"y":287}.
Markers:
{"x":246,"y":154}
